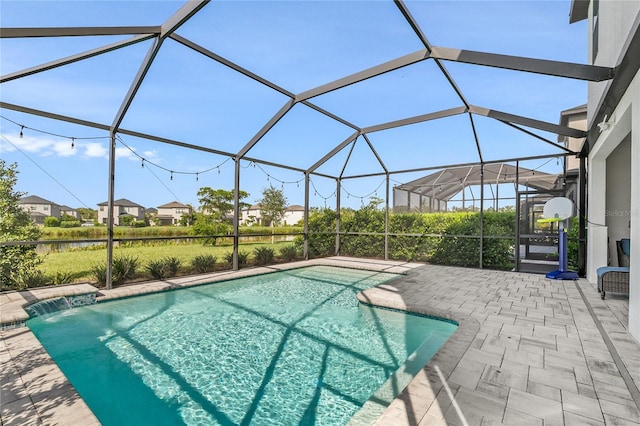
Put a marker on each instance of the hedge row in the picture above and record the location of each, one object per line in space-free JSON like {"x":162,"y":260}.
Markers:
{"x":442,"y":238}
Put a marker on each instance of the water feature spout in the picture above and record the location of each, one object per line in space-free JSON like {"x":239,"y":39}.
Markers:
{"x":48,"y":306}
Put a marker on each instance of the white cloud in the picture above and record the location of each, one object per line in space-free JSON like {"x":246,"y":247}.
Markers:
{"x":64,"y":149}
{"x":122,"y":152}
{"x":95,"y":149}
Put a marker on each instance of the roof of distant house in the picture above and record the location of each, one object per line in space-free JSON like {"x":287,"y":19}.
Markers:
{"x":65,"y":207}
{"x":295,"y":208}
{"x":34,"y":199}
{"x":173,"y":204}
{"x":121,"y":202}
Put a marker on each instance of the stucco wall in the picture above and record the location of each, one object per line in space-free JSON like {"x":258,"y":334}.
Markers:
{"x":616,"y":19}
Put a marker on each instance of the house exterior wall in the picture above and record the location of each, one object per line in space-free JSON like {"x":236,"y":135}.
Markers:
{"x":253,"y":216}
{"x":103,"y":213}
{"x":175,"y":213}
{"x":45,"y":209}
{"x":578,"y":121}
{"x":615,"y":21}
{"x":291,"y":217}
{"x":71,"y":212}
{"x":627,"y":125}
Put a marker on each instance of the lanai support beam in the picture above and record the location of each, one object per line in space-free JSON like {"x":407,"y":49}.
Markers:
{"x":75,"y":58}
{"x":305,"y":247}
{"x":519,"y":63}
{"x":529,"y":122}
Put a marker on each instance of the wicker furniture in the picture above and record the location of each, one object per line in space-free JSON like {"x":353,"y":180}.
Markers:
{"x":614,"y":279}
{"x":624,"y":248}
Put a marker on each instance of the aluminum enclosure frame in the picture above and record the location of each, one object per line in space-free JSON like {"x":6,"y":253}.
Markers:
{"x":158,"y":34}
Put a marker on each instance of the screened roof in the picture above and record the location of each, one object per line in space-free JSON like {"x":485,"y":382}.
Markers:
{"x":445,"y":184}
{"x":334,"y":89}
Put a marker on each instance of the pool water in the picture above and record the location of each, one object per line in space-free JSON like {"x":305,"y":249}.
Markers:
{"x":285,"y":348}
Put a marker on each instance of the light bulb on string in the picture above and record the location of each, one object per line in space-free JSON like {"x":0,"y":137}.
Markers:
{"x":197,"y":177}
{"x":218,"y":169}
{"x":73,"y":142}
{"x":171,"y":178}
{"x":21,"y":133}
{"x":142,"y":164}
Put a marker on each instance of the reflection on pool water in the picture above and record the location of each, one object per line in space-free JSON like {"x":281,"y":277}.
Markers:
{"x":284,"y":348}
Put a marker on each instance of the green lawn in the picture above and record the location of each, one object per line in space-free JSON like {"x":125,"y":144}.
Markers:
{"x":78,"y":263}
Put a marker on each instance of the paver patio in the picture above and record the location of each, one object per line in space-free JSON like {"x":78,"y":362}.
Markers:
{"x":527,"y":351}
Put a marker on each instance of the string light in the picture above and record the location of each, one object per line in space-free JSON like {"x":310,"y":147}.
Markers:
{"x":171,"y":172}
{"x":71,"y":138}
{"x":73,"y":142}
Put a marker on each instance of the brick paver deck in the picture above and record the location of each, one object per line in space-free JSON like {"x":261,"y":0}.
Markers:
{"x":527,"y":351}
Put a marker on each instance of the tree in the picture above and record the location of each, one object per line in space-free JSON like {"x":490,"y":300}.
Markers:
{"x":87,"y":214}
{"x":217,"y":203}
{"x":272,"y":207}
{"x":15,"y":225}
{"x":188,"y":219}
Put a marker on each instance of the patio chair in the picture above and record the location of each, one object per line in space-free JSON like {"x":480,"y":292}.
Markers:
{"x":624,"y":248}
{"x":614,"y":279}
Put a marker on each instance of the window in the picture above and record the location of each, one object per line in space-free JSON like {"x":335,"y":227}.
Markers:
{"x":32,"y":208}
{"x":101,"y":208}
{"x":46,"y":208}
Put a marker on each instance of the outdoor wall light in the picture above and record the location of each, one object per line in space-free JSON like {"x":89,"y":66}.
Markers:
{"x":606,"y":125}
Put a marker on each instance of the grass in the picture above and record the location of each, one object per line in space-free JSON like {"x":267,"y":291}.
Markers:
{"x":78,"y":264}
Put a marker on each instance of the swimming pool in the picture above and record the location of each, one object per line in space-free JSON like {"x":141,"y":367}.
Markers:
{"x":284,"y":348}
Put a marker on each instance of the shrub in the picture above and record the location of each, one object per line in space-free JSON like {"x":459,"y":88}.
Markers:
{"x":204,"y":263}
{"x":173,"y":265}
{"x":99,"y":272}
{"x":263,"y":255}
{"x":243,"y":258}
{"x":62,"y":277}
{"x":322,"y":241}
{"x":51,"y":222}
{"x":34,"y":278}
{"x":289,"y":252}
{"x":124,"y":268}
{"x":163,"y":268}
{"x":157,"y":269}
{"x":69,"y":224}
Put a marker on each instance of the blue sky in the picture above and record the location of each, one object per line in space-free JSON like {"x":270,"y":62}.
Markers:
{"x":297,"y":45}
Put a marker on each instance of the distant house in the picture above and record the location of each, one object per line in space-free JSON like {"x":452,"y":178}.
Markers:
{"x":70,"y":211}
{"x":39,"y":208}
{"x":121,"y":208}
{"x":171,"y":213}
{"x":253,"y":215}
{"x":293,"y":215}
